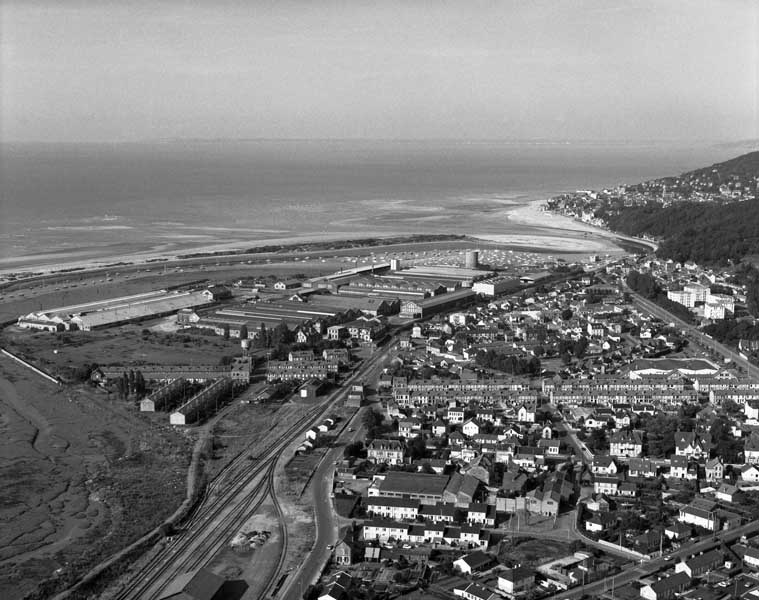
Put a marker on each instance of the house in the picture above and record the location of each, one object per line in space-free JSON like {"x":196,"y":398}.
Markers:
{"x":390,"y":452}
{"x":750,"y":556}
{"x":751,"y":449}
{"x":517,"y":581}
{"x":409,"y":428}
{"x":552,"y":447}
{"x":691,"y":445}
{"x":343,"y":553}
{"x":714,"y":469}
{"x":216,"y":293}
{"x":526,"y":414}
{"x":397,"y":509}
{"x":289,"y":284}
{"x":473,"y":562}
{"x":701,"y":564}
{"x":681,"y":468}
{"x":642,"y":467}
{"x":513,"y":482}
{"x":666,"y":588}
{"x":481,"y":513}
{"x":727,"y":493}
{"x":455,"y":416}
{"x":604,"y":465}
{"x":678,"y":531}
{"x":606,"y":485}
{"x":385,"y":529}
{"x":474,"y":591}
{"x":749,"y":473}
{"x":200,"y":584}
{"x":470,"y":428}
{"x":338,"y":588}
{"x":701,"y":513}
{"x":626,"y":444}
{"x":599,"y":522}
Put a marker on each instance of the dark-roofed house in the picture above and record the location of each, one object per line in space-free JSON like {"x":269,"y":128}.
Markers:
{"x":200,"y":584}
{"x":701,"y":513}
{"x":516,"y":581}
{"x":666,"y":588}
{"x":471,"y":563}
{"x":421,"y":486}
{"x":701,"y":564}
{"x":462,"y":490}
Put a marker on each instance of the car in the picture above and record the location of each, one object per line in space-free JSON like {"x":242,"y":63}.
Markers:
{"x":330,"y":547}
{"x":668,"y":557}
{"x":351,"y":429}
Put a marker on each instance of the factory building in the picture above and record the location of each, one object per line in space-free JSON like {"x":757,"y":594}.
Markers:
{"x":494,"y":286}
{"x":413,"y":309}
{"x":114,"y":311}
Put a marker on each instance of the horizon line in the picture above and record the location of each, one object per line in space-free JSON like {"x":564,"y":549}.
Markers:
{"x":536,"y":141}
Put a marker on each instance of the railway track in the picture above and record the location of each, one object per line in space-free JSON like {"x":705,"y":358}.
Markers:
{"x":219,"y":513}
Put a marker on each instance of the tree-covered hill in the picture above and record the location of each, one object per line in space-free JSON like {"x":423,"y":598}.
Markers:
{"x":743,"y":166}
{"x":703,"y":233}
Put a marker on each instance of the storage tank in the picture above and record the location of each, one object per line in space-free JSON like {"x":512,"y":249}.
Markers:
{"x":472,"y":259}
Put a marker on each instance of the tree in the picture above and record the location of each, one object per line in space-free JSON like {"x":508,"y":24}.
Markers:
{"x":139,"y":384}
{"x":282,"y":335}
{"x":225,"y":330}
{"x":243,"y":332}
{"x":580,"y":347}
{"x":567,"y":314}
{"x":597,"y":441}
{"x":417,"y":448}
{"x":262,"y":337}
{"x":354,"y":450}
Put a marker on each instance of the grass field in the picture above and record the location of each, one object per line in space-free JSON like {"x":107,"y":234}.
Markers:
{"x":61,"y":353}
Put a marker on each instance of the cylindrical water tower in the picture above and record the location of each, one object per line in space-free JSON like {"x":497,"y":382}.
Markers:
{"x":472,"y":259}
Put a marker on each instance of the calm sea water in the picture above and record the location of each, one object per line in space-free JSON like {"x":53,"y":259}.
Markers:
{"x":84,"y":201}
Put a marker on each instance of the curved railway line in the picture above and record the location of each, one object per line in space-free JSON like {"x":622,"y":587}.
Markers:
{"x":217,"y":515}
{"x":228,"y":500}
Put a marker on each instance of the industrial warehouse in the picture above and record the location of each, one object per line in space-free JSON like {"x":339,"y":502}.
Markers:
{"x":327,"y":303}
{"x":115,"y":311}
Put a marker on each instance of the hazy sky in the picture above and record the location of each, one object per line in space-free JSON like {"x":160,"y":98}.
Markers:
{"x":559,"y":69}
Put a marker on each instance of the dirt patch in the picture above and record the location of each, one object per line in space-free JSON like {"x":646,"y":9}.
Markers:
{"x":532,"y":551}
{"x":82,"y":477}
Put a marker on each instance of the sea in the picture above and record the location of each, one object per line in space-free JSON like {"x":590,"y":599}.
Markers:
{"x":69,"y":202}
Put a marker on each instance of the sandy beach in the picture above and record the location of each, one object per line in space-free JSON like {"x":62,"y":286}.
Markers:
{"x":547,"y":230}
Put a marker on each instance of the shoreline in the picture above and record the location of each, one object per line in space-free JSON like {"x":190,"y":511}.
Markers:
{"x":554,"y":233}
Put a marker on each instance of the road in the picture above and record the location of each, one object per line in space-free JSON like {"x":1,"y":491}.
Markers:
{"x":326,"y":521}
{"x":645,"y":569}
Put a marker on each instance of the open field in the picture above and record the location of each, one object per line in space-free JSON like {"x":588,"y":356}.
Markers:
{"x":82,"y":477}
{"x":63,"y":352}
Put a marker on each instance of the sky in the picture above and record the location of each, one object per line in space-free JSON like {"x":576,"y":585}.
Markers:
{"x":123,"y":70}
